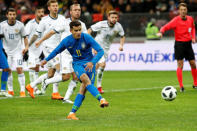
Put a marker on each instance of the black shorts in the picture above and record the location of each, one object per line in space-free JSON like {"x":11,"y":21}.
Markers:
{"x":183,"y":50}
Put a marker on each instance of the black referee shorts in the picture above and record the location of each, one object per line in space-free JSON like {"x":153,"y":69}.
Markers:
{"x":183,"y":50}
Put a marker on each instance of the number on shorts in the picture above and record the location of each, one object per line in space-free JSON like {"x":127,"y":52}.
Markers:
{"x":20,"y":62}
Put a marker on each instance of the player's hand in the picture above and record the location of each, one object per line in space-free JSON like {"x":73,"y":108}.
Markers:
{"x":37,"y":44}
{"x":89,"y":66}
{"x":121,"y":48}
{"x":159,"y":34}
{"x":24,"y":51}
{"x":193,"y":41}
{"x":43,"y":63}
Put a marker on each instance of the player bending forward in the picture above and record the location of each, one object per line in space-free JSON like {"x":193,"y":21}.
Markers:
{"x":106,"y":31}
{"x":80,"y":47}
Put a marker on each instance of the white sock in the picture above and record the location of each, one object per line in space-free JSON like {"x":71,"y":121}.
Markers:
{"x":31,"y":75}
{"x":55,"y":79}
{"x":72,"y":85}
{"x":39,"y":80}
{"x":10,"y":82}
{"x":55,"y":87}
{"x":21,"y":79}
{"x":99,"y":76}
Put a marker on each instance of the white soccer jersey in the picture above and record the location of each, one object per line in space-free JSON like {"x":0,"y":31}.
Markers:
{"x":13,"y":34}
{"x":46,"y":25}
{"x":67,"y":28}
{"x":106,"y":34}
{"x":30,"y":29}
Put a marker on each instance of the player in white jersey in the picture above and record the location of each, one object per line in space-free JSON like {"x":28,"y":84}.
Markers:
{"x":34,"y":53}
{"x":106,"y":31}
{"x":65,"y":66}
{"x":14,"y":32}
{"x":48,"y":23}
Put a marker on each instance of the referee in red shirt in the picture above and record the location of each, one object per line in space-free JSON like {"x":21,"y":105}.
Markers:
{"x":184,"y":29}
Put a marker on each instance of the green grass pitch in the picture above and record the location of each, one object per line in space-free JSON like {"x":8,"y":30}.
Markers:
{"x":135,"y":105}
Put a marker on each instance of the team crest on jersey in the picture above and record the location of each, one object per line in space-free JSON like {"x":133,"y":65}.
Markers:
{"x":64,"y":68}
{"x":57,"y":58}
{"x":16,"y":30}
{"x":83,"y":45}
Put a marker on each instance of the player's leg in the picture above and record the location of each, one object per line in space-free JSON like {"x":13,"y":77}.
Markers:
{"x":100,"y":71}
{"x":55,"y":94}
{"x":66,"y":68}
{"x":194,"y":72}
{"x":10,"y":77}
{"x":179,"y":56}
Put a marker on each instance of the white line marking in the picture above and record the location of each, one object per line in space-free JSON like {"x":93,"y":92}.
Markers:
{"x":115,"y":90}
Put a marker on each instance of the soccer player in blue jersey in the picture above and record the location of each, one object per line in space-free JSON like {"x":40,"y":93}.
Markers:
{"x":5,"y":72}
{"x":80,"y":47}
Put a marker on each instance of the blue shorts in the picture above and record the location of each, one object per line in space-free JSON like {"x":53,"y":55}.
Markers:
{"x":80,"y":69}
{"x":3,"y":60}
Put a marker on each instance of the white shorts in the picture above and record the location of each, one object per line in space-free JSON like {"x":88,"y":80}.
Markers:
{"x":66,"y":63}
{"x":15,"y":60}
{"x":104,"y":57}
{"x":33,"y":61}
{"x":53,"y":62}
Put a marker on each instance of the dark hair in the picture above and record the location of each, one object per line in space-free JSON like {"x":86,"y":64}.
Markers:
{"x":51,"y":1}
{"x":112,"y":12}
{"x":182,"y":4}
{"x":10,"y":10}
{"x":39,"y":7}
{"x":74,"y":23}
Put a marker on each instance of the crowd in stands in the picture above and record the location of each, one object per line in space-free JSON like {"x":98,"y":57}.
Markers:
{"x":102,"y":6}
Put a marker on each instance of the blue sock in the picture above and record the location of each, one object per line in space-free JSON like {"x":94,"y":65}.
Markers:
{"x":93,"y":90}
{"x":78,"y":101}
{"x":4,"y":79}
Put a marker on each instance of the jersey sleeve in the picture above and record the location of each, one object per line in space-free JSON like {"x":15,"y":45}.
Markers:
{"x":40,"y":27}
{"x":95,"y":46}
{"x":23,"y":33}
{"x":121,"y":31}
{"x":96,"y":27}
{"x":1,"y":29}
{"x":28,"y":28}
{"x":61,"y":47}
{"x":84,"y":29}
{"x":168,"y":26}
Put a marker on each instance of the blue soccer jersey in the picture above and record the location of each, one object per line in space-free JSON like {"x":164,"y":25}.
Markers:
{"x":3,"y":59}
{"x":81,"y":51}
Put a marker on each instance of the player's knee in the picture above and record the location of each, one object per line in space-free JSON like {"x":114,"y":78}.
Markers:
{"x":19,"y":70}
{"x":102,"y":65}
{"x":7,"y":70}
{"x":85,"y":80}
{"x":65,"y":77}
{"x":37,"y":68}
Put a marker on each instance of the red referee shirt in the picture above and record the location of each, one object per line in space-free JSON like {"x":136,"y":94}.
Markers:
{"x":184,"y":29}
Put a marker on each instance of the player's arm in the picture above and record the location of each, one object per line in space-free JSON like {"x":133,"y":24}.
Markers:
{"x":122,"y":41}
{"x":26,"y":45}
{"x":90,"y":31}
{"x":33,"y":39}
{"x":45,"y":37}
{"x":193,"y":32}
{"x":61,"y":47}
{"x":168,"y":26}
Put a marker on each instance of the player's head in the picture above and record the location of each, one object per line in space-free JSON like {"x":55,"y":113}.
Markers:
{"x":11,"y":15}
{"x":112,"y":17}
{"x":182,"y":7}
{"x":39,"y":12}
{"x":53,"y":6}
{"x":75,"y":11}
{"x":75,"y":29}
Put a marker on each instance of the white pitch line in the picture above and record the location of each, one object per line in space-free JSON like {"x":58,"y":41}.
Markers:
{"x":115,"y":90}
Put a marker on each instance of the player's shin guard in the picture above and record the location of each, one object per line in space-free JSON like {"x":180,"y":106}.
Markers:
{"x":78,"y":101}
{"x":55,"y":87}
{"x":93,"y":90}
{"x":21,"y":79}
{"x":179,"y":76}
{"x":39,"y":80}
{"x":57,"y":78}
{"x":72,"y":85}
{"x":99,"y":76}
{"x":4,"y":79}
{"x":10,"y":82}
{"x":194,"y":75}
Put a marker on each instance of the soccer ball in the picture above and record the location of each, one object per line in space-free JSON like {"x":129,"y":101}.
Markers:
{"x":168,"y":93}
